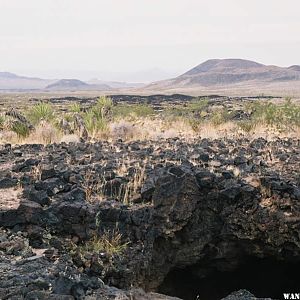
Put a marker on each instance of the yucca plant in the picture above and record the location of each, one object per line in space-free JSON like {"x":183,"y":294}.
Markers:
{"x":41,"y":111}
{"x":102,"y":107}
{"x":94,"y":122}
{"x":20,"y":129}
{"x":75,"y":108}
{"x":2,"y":122}
{"x":104,"y":101}
{"x":95,"y":119}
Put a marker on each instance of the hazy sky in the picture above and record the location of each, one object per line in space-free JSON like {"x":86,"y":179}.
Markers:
{"x":143,"y":40}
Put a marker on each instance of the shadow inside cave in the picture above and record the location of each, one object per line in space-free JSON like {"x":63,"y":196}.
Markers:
{"x":265,"y":278}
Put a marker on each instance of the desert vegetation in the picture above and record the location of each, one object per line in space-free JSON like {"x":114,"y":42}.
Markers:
{"x":105,"y":120}
{"x":109,"y":242}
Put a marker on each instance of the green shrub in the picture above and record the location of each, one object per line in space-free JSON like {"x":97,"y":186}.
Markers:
{"x":220,"y":116}
{"x":190,"y":109}
{"x":103,"y":107}
{"x":69,"y":117}
{"x":97,"y":117}
{"x":75,"y":108}
{"x":197,"y":105}
{"x":133,"y":110}
{"x":39,"y":112}
{"x":2,"y":122}
{"x":280,"y":115}
{"x":20,"y":129}
{"x":291,"y":112}
{"x":247,"y":126}
{"x":104,"y":101}
{"x":172,"y":111}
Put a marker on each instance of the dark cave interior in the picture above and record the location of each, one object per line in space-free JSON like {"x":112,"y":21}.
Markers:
{"x":262,"y":277}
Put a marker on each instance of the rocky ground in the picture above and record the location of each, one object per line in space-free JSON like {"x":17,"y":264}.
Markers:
{"x":158,"y":101}
{"x":175,"y":213}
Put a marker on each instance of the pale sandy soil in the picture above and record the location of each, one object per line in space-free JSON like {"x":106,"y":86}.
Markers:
{"x":10,"y":198}
{"x":282,"y":89}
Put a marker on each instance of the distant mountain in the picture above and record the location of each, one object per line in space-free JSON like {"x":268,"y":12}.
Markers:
{"x":294,"y":68}
{"x":116,"y":84}
{"x":223,"y":72}
{"x":213,"y":76}
{"x":75,"y":84}
{"x":10,"y":81}
{"x":7,"y":75}
{"x":67,"y":83}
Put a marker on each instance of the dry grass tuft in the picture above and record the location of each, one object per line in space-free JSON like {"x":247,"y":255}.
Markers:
{"x":109,"y":242}
{"x":124,"y":130}
{"x":99,"y":189}
{"x":7,"y":136}
{"x":45,"y":133}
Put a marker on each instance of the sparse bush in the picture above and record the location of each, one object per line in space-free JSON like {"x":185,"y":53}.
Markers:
{"x":219,"y":117}
{"x":124,"y":130}
{"x":195,"y":108}
{"x":133,"y":110}
{"x":266,"y":112}
{"x":195,"y":123}
{"x":197,"y":105}
{"x":291,"y":112}
{"x":247,"y":126}
{"x":42,"y":111}
{"x":283,"y":116}
{"x":20,"y":129}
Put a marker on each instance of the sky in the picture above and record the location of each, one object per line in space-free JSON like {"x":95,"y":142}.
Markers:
{"x":142,"y":40}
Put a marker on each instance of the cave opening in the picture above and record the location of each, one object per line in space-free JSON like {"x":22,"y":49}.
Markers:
{"x":265,"y":278}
